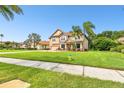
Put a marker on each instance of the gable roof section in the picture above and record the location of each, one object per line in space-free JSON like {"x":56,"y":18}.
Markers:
{"x":70,"y":34}
{"x":56,"y":32}
{"x":67,"y":33}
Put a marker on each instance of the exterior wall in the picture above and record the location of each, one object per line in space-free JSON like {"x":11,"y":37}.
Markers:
{"x":71,"y":39}
{"x":57,"y":40}
{"x":81,"y":47}
{"x":62,"y":41}
{"x":42,"y":47}
{"x":121,"y":40}
{"x":82,"y":41}
{"x":85,"y":44}
{"x":54,"y":45}
{"x":23,"y":46}
{"x":38,"y":47}
{"x":57,"y":33}
{"x":63,"y":36}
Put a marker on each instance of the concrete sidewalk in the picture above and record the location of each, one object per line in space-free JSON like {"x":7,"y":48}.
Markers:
{"x":16,"y":52}
{"x":100,"y":73}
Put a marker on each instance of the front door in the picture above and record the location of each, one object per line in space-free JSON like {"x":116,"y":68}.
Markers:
{"x":63,"y":46}
{"x":78,"y":46}
{"x":69,"y":46}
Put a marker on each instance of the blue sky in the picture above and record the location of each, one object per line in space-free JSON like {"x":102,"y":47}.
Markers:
{"x":44,"y":20}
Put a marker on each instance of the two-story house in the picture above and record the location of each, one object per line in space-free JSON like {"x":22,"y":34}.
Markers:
{"x":60,"y":40}
{"x":121,"y":40}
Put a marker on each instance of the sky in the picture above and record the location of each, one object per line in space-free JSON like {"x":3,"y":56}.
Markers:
{"x":44,"y":20}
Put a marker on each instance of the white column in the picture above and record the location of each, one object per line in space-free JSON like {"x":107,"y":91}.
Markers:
{"x":65,"y":47}
{"x":81,"y":46}
{"x":71,"y":47}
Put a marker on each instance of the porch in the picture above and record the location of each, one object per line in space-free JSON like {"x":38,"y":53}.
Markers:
{"x":72,"y":46}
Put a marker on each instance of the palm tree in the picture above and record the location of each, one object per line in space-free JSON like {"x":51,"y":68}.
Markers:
{"x":8,"y":11}
{"x":1,"y":35}
{"x":76,"y":33}
{"x":88,"y":30}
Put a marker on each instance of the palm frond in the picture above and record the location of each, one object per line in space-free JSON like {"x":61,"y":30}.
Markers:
{"x":16,"y":9}
{"x":8,"y":11}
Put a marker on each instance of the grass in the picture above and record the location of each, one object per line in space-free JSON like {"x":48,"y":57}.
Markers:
{"x":110,"y":60}
{"x":42,"y":78}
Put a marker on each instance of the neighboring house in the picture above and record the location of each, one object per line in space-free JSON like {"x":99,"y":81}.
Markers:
{"x":121,"y":40}
{"x":22,"y":45}
{"x":11,"y":44}
{"x":60,"y":40}
{"x":43,"y":45}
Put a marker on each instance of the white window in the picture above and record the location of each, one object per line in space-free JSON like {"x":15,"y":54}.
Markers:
{"x":53,"y":39}
{"x":63,"y":38}
{"x":78,"y":37}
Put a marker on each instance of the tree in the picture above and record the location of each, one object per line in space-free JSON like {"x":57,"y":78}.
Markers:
{"x":88,"y":30}
{"x":27,"y":43}
{"x":1,"y":36}
{"x":15,"y":44}
{"x":76,"y":33}
{"x":103,"y":43}
{"x":111,"y":34}
{"x":33,"y":39}
{"x":117,"y":34}
{"x":8,"y":44}
{"x":8,"y":11}
{"x":108,"y":34}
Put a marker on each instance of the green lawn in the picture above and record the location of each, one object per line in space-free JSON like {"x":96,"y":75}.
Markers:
{"x":93,"y":58}
{"x":43,"y":78}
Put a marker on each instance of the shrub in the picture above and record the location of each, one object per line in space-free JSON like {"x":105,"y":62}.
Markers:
{"x":103,"y":43}
{"x":2,"y":46}
{"x":31,"y":48}
{"x":119,"y":48}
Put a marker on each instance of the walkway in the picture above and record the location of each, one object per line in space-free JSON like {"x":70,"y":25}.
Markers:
{"x":15,"y":84}
{"x":100,"y":73}
{"x":16,"y":52}
{"x":29,"y":51}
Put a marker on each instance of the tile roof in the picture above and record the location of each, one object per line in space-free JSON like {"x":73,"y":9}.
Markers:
{"x":67,"y":33}
{"x":43,"y":43}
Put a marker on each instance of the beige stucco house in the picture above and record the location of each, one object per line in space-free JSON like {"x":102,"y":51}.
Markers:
{"x":43,"y":45}
{"x":121,"y":40}
{"x":60,"y":40}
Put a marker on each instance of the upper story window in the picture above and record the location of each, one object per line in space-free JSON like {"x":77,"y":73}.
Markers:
{"x":53,"y":39}
{"x":78,"y":37}
{"x":63,"y":38}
